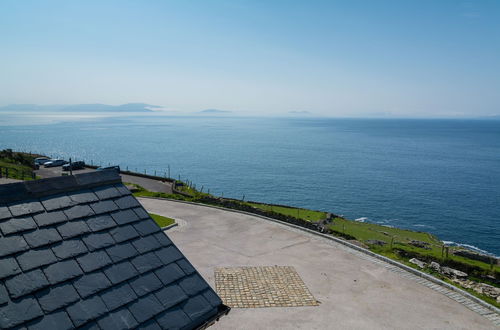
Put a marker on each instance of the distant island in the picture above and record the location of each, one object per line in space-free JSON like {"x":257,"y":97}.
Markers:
{"x":129,"y":107}
{"x":299,"y":112}
{"x":214,"y":111}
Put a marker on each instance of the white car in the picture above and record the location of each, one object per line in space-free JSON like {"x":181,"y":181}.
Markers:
{"x":55,"y":162}
{"x":42,"y":160}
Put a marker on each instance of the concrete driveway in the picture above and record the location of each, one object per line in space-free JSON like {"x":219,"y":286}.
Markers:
{"x":355,"y":293}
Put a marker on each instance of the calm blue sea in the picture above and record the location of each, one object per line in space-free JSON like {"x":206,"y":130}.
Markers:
{"x":440,"y":176}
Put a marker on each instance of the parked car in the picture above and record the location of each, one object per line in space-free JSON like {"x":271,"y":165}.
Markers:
{"x":41,"y":160}
{"x":78,"y":165}
{"x":54,"y":163}
{"x":115,"y":167}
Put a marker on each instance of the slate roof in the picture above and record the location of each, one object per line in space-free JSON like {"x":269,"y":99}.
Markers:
{"x":80,"y":251}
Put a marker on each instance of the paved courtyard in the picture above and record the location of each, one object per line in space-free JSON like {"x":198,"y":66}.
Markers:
{"x":354,"y":292}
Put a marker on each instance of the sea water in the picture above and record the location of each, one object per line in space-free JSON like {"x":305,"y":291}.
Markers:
{"x":439,"y":176}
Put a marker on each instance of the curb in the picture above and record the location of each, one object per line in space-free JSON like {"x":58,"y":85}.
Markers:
{"x":175,"y":224}
{"x":354,"y":247}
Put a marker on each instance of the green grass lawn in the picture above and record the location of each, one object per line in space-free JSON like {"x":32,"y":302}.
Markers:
{"x":16,"y":171}
{"x":309,"y":215}
{"x":161,"y":220}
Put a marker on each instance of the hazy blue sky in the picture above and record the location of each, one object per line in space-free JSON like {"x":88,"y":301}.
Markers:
{"x":338,"y":58}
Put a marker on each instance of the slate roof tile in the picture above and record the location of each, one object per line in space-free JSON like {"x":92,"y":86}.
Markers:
{"x":86,"y":310}
{"x":72,"y":229}
{"x":173,"y":318}
{"x":15,"y":225}
{"x":56,"y":202}
{"x":78,"y":211}
{"x":118,"y":296}
{"x":12,"y":244}
{"x":91,"y":283}
{"x":141,"y":213}
{"x":121,"y":251}
{"x":35,"y":258}
{"x":146,"y":244}
{"x":26,"y":283}
{"x":56,"y":297}
{"x":123,"y":233}
{"x":106,"y":192}
{"x":8,"y":267}
{"x":169,"y":273}
{"x":42,"y":237}
{"x":25,"y":207}
{"x":145,"y":308}
{"x":55,"y":321}
{"x":146,"y":262}
{"x":168,"y":255}
{"x":69,"y":248}
{"x":146,"y":227}
{"x":101,"y":222}
{"x":197,"y":307}
{"x":171,"y":295}
{"x":163,"y":239}
{"x":119,"y":319}
{"x":124,"y":217}
{"x":50,"y":218}
{"x":150,"y":325}
{"x":90,"y":326}
{"x":18,"y":312}
{"x":93,"y":261}
{"x":62,"y":271}
{"x":123,"y":190}
{"x":4,"y":296}
{"x":104,"y":207}
{"x":98,"y":240}
{"x":193,"y":284}
{"x":4,"y":212}
{"x":145,"y":284}
{"x":186,"y":266}
{"x":127,"y":202}
{"x":212,"y":298}
{"x":83,"y":196}
{"x":120,"y":272}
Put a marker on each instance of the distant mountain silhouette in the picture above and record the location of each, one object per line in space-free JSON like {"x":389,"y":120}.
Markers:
{"x":214,"y":111}
{"x":299,"y":112}
{"x":129,"y":107}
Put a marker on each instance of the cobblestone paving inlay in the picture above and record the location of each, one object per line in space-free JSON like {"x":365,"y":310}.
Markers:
{"x":267,"y":286}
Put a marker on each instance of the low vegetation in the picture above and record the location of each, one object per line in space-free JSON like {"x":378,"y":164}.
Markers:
{"x":16,"y":165}
{"x":161,"y":220}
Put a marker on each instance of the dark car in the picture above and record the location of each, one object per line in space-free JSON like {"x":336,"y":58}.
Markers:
{"x":78,"y":165}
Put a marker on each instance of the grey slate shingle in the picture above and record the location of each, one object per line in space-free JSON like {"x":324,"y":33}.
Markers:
{"x":98,"y":240}
{"x":101,"y":222}
{"x":50,"y":218}
{"x":83,"y":196}
{"x":4,"y":212}
{"x":54,"y":321}
{"x":12,"y":244}
{"x":145,"y":308}
{"x":163,"y":239}
{"x":42,"y":237}
{"x":72,"y":229}
{"x":141,"y":213}
{"x":3,"y":294}
{"x":26,"y":283}
{"x":56,"y":202}
{"x":120,"y":272}
{"x":15,"y":225}
{"x":168,"y":255}
{"x":145,"y":284}
{"x":91,"y":283}
{"x":25,"y":207}
{"x":78,"y":211}
{"x":118,"y":296}
{"x":146,"y":244}
{"x":146,"y":227}
{"x":106,"y":192}
{"x":8,"y":267}
{"x":123,"y":190}
{"x":146,"y":262}
{"x":127,"y":202}
{"x":169,"y":273}
{"x":122,"y":251}
{"x":62,"y":271}
{"x":86,"y":310}
{"x":35,"y":258}
{"x":93,"y":261}
{"x":104,"y":206}
{"x":171,"y":295}
{"x":119,"y":320}
{"x":150,"y":325}
{"x":124,"y":216}
{"x":212,"y":298}
{"x":193,"y":284}
{"x":69,"y":248}
{"x":173,"y":318}
{"x":196,"y":307}
{"x":56,"y":297}
{"x":123,"y":233}
{"x":18,"y":312}
{"x":186,"y":267}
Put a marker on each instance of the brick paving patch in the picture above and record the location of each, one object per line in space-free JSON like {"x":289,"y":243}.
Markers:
{"x":268,"y":286}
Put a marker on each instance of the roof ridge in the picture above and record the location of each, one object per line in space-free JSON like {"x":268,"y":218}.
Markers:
{"x":13,"y":192}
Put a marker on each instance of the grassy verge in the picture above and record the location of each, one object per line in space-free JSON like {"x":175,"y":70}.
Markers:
{"x":161,"y":220}
{"x":16,"y":165}
{"x":300,"y":213}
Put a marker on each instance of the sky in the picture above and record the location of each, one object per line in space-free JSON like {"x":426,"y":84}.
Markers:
{"x":399,"y":58}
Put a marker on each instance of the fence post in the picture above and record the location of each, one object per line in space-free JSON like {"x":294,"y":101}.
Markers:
{"x":0,"y":172}
{"x":7,"y":172}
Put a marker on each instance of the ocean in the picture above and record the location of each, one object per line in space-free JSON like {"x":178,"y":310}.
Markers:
{"x":439,"y":176}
